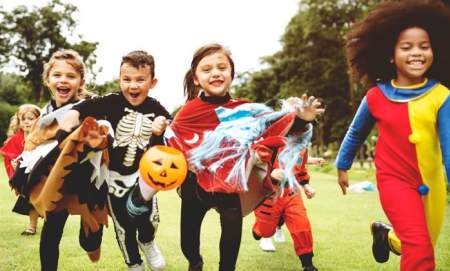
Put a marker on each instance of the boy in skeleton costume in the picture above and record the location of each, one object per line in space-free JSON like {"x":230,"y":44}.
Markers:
{"x":138,"y":122}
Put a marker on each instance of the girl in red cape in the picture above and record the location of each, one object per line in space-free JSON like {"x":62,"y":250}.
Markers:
{"x":20,"y":126}
{"x":209,"y":108}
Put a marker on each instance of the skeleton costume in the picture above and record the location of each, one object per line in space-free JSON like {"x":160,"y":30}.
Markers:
{"x":132,"y":127}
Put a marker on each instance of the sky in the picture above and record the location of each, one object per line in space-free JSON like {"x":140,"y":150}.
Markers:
{"x":171,"y":30}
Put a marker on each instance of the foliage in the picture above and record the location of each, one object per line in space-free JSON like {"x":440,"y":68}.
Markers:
{"x":105,"y":88}
{"x":312,"y":60}
{"x":13,"y":89}
{"x":6,"y":112}
{"x":32,"y":36}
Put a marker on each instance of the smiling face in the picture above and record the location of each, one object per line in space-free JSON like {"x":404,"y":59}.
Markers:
{"x":213,"y":74}
{"x":135,"y":83}
{"x":413,"y":56}
{"x":64,"y":81}
{"x":27,"y":121}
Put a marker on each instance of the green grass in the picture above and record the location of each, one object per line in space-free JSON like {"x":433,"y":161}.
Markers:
{"x":340,"y":227}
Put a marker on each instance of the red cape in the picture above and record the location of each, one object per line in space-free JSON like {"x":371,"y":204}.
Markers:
{"x":12,"y":148}
{"x":197,"y":117}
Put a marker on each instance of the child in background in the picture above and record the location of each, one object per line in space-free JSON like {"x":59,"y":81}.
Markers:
{"x":210,"y":75}
{"x":401,"y":51}
{"x":20,"y":126}
{"x":138,"y":122}
{"x":266,"y":243}
{"x":288,"y":204}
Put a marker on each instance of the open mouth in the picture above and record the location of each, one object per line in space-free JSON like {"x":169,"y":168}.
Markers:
{"x":134,"y":95}
{"x":63,"y":90}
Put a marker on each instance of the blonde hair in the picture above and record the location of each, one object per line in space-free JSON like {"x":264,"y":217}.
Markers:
{"x":72,"y":58}
{"x":14,"y":124}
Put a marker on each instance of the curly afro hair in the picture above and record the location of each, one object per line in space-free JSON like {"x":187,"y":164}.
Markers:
{"x":371,"y":42}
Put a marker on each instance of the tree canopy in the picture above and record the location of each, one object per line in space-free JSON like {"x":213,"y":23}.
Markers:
{"x":29,"y":37}
{"x":312,"y":60}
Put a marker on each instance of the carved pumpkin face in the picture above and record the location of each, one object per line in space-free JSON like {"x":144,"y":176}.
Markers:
{"x":163,"y":167}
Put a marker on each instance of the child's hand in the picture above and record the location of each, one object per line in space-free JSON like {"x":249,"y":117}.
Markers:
{"x":70,"y":120}
{"x":310,"y":109}
{"x":277,"y":174}
{"x":309,"y":191}
{"x":343,"y":180}
{"x":159,"y":125}
{"x":316,"y":161}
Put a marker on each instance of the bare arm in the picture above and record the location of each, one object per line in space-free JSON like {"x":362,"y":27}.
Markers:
{"x":343,"y":180}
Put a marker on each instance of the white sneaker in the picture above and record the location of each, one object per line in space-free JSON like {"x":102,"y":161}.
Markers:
{"x":266,"y":244}
{"x":279,"y":236}
{"x":153,"y":255}
{"x":137,"y":267}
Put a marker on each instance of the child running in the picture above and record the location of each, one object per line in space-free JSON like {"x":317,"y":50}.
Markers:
{"x":138,"y":122}
{"x":400,"y":51}
{"x":20,"y":126}
{"x":209,"y":128}
{"x":288,"y":204}
{"x":64,"y":75}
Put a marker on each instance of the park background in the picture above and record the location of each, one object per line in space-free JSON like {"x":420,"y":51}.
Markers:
{"x":308,"y":57}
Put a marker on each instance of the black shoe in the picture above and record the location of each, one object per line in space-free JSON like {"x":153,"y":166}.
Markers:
{"x":380,"y":245}
{"x":255,"y":236}
{"x":310,"y":268}
{"x":197,"y":267}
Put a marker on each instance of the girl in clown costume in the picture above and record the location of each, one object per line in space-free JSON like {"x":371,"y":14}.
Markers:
{"x":400,"y":50}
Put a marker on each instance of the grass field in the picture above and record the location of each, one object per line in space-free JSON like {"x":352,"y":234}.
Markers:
{"x":342,"y":240}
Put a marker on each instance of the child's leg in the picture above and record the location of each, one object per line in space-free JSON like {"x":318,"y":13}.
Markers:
{"x":404,"y":208}
{"x":147,"y":223}
{"x":125,"y":229}
{"x":267,"y":217}
{"x":193,"y":210}
{"x":34,"y":215}
{"x":279,"y":234}
{"x":91,"y":242}
{"x":299,"y":227}
{"x":231,"y":225}
{"x":50,"y":237}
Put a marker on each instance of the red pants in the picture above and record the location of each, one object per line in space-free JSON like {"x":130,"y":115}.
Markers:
{"x":291,"y":207}
{"x":405,"y":210}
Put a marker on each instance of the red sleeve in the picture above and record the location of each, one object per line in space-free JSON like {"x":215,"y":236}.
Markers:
{"x":300,"y":171}
{"x":12,"y":148}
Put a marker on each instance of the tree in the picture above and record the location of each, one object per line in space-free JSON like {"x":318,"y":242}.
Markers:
{"x":36,"y":34}
{"x":312,"y":60}
{"x":14,"y":89}
{"x":107,"y":87}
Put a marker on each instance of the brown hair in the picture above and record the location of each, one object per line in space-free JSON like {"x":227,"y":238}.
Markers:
{"x":14,"y":124}
{"x":190,"y":89}
{"x":73,"y":59}
{"x":139,"y":59}
{"x":371,"y":42}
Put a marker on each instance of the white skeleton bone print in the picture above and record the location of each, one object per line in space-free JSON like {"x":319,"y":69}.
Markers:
{"x":134,"y":130}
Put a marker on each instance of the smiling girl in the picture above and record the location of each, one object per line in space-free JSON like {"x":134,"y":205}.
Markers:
{"x":400,"y":50}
